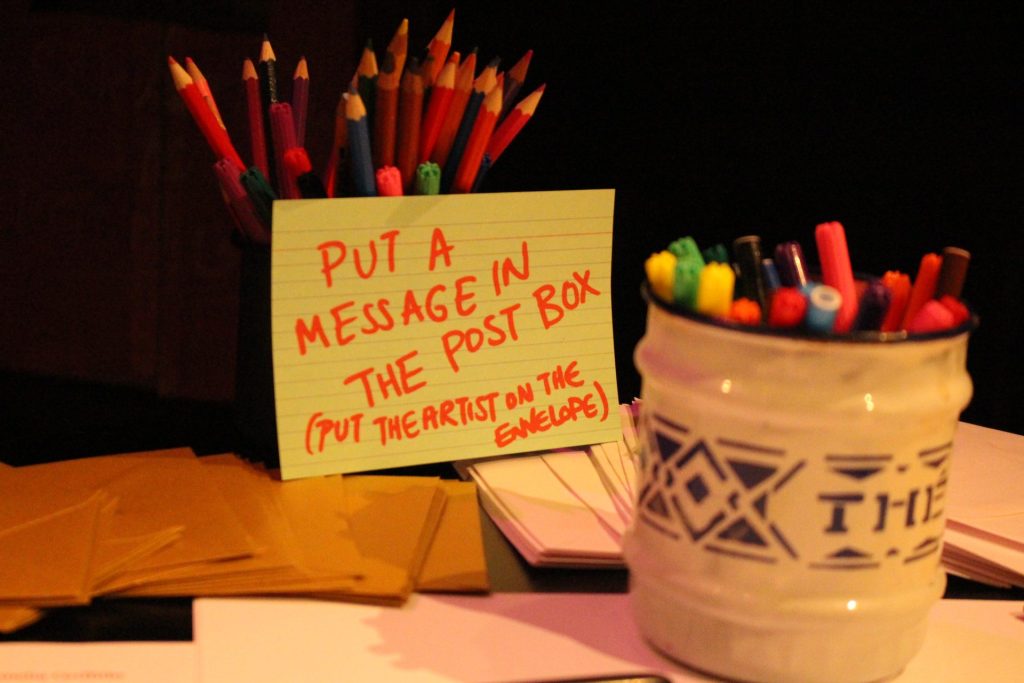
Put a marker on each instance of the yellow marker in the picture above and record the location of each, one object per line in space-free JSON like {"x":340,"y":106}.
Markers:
{"x":716,"y":284}
{"x":661,"y":274}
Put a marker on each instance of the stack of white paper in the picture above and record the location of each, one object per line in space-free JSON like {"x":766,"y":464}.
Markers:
{"x":563,"y":508}
{"x":985,"y":513}
{"x":571,"y":508}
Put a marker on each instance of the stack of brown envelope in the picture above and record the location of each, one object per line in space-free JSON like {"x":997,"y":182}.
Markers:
{"x":166,"y":523}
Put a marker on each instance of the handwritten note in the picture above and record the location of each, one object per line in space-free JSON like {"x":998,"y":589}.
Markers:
{"x":409,"y":330}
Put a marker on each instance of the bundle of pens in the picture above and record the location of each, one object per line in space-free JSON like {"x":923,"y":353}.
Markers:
{"x":413,"y":126}
{"x":779,"y":292}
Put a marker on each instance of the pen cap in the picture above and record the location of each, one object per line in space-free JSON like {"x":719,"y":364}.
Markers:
{"x":953,"y":272}
{"x":749,"y":283}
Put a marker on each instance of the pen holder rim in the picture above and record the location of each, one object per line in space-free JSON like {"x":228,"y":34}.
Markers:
{"x":860,"y":337}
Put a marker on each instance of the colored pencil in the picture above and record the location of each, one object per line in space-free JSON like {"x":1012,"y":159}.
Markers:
{"x":460,"y":97}
{"x":437,"y":51}
{"x":410,"y":119}
{"x":483,"y":84}
{"x":483,"y":128}
{"x":337,"y":163}
{"x":514,"y":82}
{"x":513,"y":123}
{"x":388,"y":81}
{"x":216,"y":136}
{"x":437,"y":107}
{"x":257,"y":136}
{"x":359,"y":146}
{"x":365,"y":79}
{"x":300,"y":100}
{"x":266,"y":67}
{"x":204,"y":88}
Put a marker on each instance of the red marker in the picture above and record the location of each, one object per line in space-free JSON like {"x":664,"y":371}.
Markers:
{"x":787,"y":308}
{"x":836,"y":271}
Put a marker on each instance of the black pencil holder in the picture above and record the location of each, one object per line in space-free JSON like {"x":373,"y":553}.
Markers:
{"x":254,"y":409}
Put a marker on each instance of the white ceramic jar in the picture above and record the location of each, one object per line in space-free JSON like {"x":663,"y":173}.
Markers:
{"x":790,"y":518}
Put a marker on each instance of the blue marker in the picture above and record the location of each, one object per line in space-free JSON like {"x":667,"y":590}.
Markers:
{"x":823,"y":303}
{"x":770,"y":275}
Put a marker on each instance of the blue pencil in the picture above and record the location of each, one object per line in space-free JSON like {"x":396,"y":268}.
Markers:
{"x":487,"y":79}
{"x":363,"y":178}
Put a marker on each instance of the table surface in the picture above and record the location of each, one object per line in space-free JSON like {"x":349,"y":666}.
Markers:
{"x":96,"y":419}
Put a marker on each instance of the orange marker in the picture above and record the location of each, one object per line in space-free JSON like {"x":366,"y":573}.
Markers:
{"x":898,"y":285}
{"x":924,"y":287}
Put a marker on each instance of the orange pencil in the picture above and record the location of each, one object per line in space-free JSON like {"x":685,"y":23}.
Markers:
{"x":365,"y":78}
{"x":513,"y":123}
{"x":437,"y":108}
{"x":385,"y":119}
{"x":216,"y":136}
{"x":483,"y":127}
{"x":924,"y":286}
{"x":410,"y":118}
{"x":464,"y":78}
{"x":514,"y":82}
{"x":437,"y":51}
{"x":204,"y":88}
{"x":257,"y":136}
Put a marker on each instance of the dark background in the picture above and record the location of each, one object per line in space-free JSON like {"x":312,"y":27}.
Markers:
{"x":711,"y":119}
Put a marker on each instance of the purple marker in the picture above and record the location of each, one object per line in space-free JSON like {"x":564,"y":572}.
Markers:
{"x":789,"y":261}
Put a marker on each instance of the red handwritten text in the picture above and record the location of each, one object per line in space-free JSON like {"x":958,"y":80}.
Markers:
{"x":573,"y":295}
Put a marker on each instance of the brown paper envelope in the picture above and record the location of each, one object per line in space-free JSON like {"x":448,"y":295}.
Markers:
{"x":393,"y":520}
{"x":456,"y":561}
{"x":314,"y":510}
{"x":247,"y":492}
{"x":165,"y":492}
{"x":16,"y":617}
{"x":48,"y":561}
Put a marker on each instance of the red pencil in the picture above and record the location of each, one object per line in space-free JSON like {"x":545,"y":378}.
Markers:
{"x":386,"y":101}
{"x":513,"y":123}
{"x":437,"y":51}
{"x":257,"y":136}
{"x":483,"y":127}
{"x":216,"y":136}
{"x":464,"y":78}
{"x":514,"y":81}
{"x":437,"y":108}
{"x":410,"y":118}
{"x":204,"y":88}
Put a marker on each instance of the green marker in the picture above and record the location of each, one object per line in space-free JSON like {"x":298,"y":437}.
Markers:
{"x":428,"y":178}
{"x":260,"y":192}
